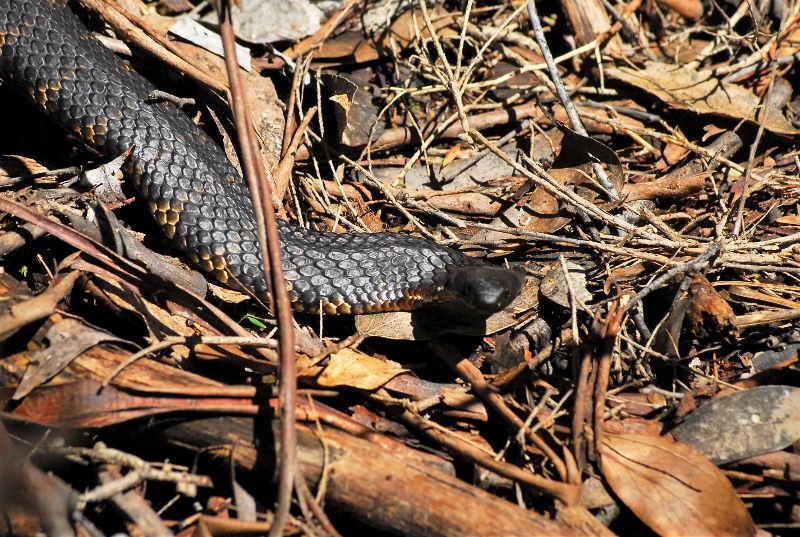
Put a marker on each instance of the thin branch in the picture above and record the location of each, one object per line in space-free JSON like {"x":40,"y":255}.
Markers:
{"x":269,"y":243}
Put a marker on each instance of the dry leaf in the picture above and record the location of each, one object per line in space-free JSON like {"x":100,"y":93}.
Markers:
{"x":623,"y":274}
{"x":68,"y":339}
{"x":351,"y":48}
{"x":451,"y":155}
{"x":267,"y":21}
{"x":199,"y":35}
{"x":674,"y":153}
{"x":673,"y":488}
{"x":789,"y":219}
{"x":15,"y":166}
{"x":357,"y":370}
{"x":83,"y":404}
{"x":469,"y":203}
{"x":554,"y":285}
{"x":542,"y":212}
{"x":700,"y":91}
{"x":105,"y":180}
{"x":356,"y":116}
{"x":748,"y":295}
{"x":743,"y":424}
{"x":708,"y":314}
{"x":691,"y":9}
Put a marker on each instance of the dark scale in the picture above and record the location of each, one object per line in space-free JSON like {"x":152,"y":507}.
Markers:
{"x":197,"y":196}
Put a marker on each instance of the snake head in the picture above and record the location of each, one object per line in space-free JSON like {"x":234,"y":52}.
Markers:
{"x":485,"y":289}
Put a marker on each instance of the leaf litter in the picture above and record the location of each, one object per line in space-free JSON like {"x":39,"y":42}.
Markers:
{"x":646,"y":377}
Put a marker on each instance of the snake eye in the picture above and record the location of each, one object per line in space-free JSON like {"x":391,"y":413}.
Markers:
{"x":486,"y":289}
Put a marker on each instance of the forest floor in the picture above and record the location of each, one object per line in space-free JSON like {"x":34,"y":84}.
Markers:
{"x":638,"y":163}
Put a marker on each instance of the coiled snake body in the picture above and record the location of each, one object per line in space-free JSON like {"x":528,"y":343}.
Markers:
{"x":197,"y":196}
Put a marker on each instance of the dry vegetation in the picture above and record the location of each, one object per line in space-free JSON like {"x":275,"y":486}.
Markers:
{"x":640,"y":165}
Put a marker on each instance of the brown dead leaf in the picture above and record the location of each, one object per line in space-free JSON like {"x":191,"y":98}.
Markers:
{"x":16,"y":166}
{"x":356,"y":116}
{"x":554,"y":284}
{"x":707,"y":313}
{"x":68,"y":339}
{"x":674,"y":153}
{"x":673,"y":488}
{"x":346,"y":48}
{"x":747,"y":295}
{"x":622,"y":274}
{"x":143,"y":388}
{"x":84,"y":404}
{"x":581,"y":152}
{"x":357,"y":370}
{"x":352,"y":48}
{"x":410,"y":24}
{"x":634,"y":426}
{"x":637,"y":404}
{"x":701,"y":92}
{"x":788,"y":45}
{"x":542,"y":212}
{"x":30,"y":309}
{"x":451,"y":155}
{"x":789,"y":220}
{"x":572,"y":166}
{"x":468,"y":203}
{"x":691,"y":9}
{"x":27,"y":493}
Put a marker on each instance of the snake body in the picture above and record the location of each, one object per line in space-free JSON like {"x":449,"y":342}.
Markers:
{"x":198,"y":197}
